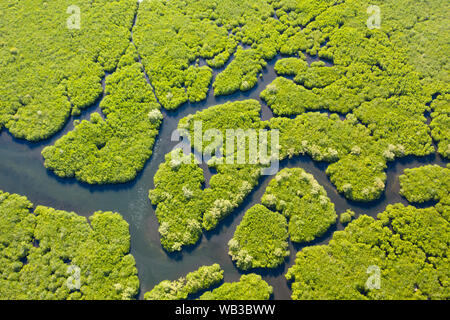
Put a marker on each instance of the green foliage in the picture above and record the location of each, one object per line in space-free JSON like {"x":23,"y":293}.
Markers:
{"x":249,"y":287}
{"x":374,"y":74}
{"x":357,"y":165}
{"x":41,"y":252}
{"x":241,"y":115}
{"x":184,"y":208}
{"x":228,"y":189}
{"x":260,"y":240}
{"x":440,"y":124}
{"x":427,"y":183}
{"x":398,"y":121}
{"x":408,"y":245}
{"x":178,"y":197}
{"x":204,"y":278}
{"x":49,"y":71}
{"x":299,"y":197}
{"x":241,"y":74}
{"x":358,"y":162}
{"x":347,"y":216}
{"x":291,"y":66}
{"x":286,"y":98}
{"x":360,"y":178}
{"x":419,"y":28}
{"x":170,"y":36}
{"x":318,"y":76}
{"x":113,"y":150}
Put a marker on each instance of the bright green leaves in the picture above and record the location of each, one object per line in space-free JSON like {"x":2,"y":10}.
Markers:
{"x":181,"y":202}
{"x":346,"y":216}
{"x":241,"y":73}
{"x":48,"y":70}
{"x":426,"y":183}
{"x":169,"y":41}
{"x":286,"y":98}
{"x":201,"y":279}
{"x":357,"y":166}
{"x":55,"y":254}
{"x":229,"y":187}
{"x":197,"y":83}
{"x":113,"y":150}
{"x":291,"y":66}
{"x":357,"y":170}
{"x":405,"y":252}
{"x":300,"y":198}
{"x":260,"y":240}
{"x":16,"y":236}
{"x":184,"y":208}
{"x":400,"y":122}
{"x":360,"y":178}
{"x":42,"y":117}
{"x":249,"y":287}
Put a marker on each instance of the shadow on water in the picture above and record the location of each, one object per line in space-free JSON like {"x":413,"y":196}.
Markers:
{"x":22,"y":171}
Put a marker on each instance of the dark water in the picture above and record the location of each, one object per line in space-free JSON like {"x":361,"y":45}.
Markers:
{"x":22,"y":171}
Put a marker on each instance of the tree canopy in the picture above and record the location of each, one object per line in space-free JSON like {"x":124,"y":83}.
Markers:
{"x":301,"y":199}
{"x":48,"y":70}
{"x":260,"y":240}
{"x":194,"y":282}
{"x":428,"y":183}
{"x":115,"y":149}
{"x":51,"y":254}
{"x":401,"y":255}
{"x":249,"y":287}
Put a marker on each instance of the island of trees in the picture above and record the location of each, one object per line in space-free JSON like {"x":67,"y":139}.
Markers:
{"x":347,"y":94}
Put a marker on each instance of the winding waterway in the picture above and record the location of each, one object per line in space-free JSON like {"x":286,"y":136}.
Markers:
{"x":22,"y":171}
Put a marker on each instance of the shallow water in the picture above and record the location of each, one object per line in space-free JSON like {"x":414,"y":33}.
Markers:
{"x":22,"y":171}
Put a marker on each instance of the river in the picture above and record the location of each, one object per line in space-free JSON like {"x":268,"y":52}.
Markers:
{"x":22,"y":171}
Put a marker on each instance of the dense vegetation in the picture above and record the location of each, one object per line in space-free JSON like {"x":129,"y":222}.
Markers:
{"x":357,"y":166}
{"x":241,"y":74}
{"x":49,"y":71}
{"x":408,"y":246}
{"x":260,"y":240}
{"x":358,"y":160}
{"x":51,"y":254}
{"x":173,"y":35}
{"x":184,"y":208}
{"x":428,"y":183}
{"x":177,"y":195}
{"x":347,"y":216}
{"x":382,"y":81}
{"x":115,"y":149}
{"x":249,"y":287}
{"x":204,"y":278}
{"x":299,"y":197}
{"x":440,"y":124}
